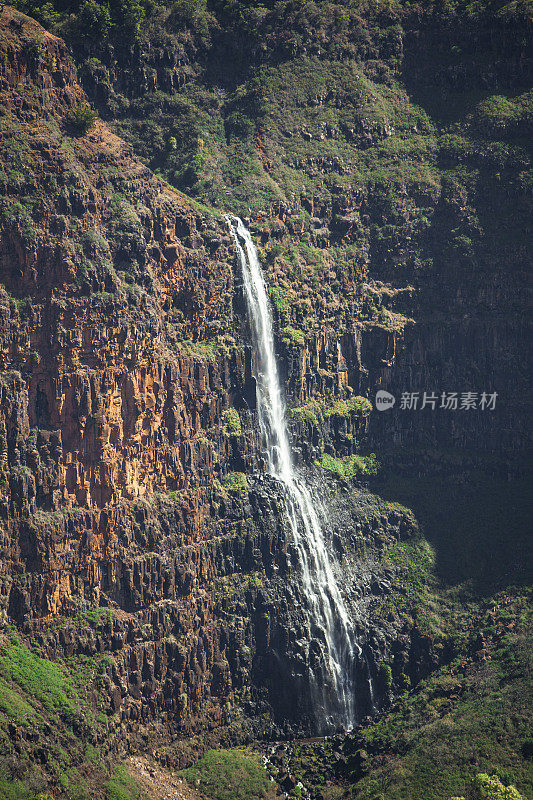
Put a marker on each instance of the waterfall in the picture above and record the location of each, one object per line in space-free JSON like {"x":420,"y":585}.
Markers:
{"x":326,"y":614}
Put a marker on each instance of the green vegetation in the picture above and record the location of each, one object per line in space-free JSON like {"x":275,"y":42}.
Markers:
{"x":73,"y":784}
{"x":236,"y":483}
{"x":121,"y":786}
{"x":230,"y":775}
{"x":231,"y":422}
{"x":93,"y":22}
{"x":357,"y":406}
{"x":281,"y":305}
{"x":366,"y":184}
{"x":293,"y":338}
{"x":490,"y":787}
{"x":19,"y":215}
{"x":97,"y":617}
{"x":33,"y":51}
{"x":14,"y":706}
{"x":52,"y":705}
{"x":13,"y":789}
{"x":415,"y":586}
{"x":349,"y":467}
{"x":81,"y":118}
{"x":470,"y":716}
{"x":318,"y":411}
{"x":208,"y":349}
{"x":499,"y":116}
{"x":385,"y":673}
{"x":41,"y":679}
{"x":335,"y":124}
{"x":94,"y":244}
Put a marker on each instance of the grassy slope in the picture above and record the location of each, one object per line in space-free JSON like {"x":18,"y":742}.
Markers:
{"x":54,"y":732}
{"x":470,"y":716}
{"x":230,"y":775}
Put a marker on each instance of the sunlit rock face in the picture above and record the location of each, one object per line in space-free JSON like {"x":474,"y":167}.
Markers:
{"x":124,"y":340}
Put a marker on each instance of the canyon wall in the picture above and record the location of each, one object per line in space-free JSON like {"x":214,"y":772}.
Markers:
{"x":126,"y":483}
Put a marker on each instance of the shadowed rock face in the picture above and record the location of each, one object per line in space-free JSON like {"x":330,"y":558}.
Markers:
{"x":123,"y":340}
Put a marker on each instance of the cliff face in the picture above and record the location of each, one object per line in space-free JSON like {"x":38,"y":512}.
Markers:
{"x":380,"y":153}
{"x":118,"y":365}
{"x":130,"y":478}
{"x":109,"y":279}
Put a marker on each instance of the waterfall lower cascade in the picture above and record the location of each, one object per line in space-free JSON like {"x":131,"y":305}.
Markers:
{"x":326,"y":613}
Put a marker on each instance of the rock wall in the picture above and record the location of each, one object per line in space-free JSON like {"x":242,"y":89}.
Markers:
{"x":118,"y":363}
{"x":123,"y":343}
{"x":115,"y":377}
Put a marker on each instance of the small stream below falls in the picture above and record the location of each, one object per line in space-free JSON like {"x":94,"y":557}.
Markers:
{"x":331,"y":647}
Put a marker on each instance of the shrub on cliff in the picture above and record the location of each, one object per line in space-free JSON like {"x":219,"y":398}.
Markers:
{"x":350,"y":467}
{"x":127,"y":16}
{"x":358,"y":406}
{"x":129,"y":237}
{"x":92,"y":23}
{"x":239,"y":125}
{"x":121,"y":786}
{"x":490,"y":787}
{"x":192,"y":14}
{"x":279,"y":296}
{"x":231,"y":422}
{"x":81,"y":118}
{"x":316,"y":411}
{"x":385,"y":674}
{"x":292,"y":337}
{"x":18,"y":215}
{"x":33,"y":51}
{"x":235,"y":483}
{"x":501,"y":116}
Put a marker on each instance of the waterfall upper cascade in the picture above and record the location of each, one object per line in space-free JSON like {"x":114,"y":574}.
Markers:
{"x":326,"y":614}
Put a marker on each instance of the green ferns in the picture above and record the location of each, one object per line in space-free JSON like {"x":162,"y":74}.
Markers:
{"x":316,"y":411}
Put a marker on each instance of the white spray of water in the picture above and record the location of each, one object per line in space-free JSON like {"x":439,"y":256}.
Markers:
{"x":326,"y":613}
